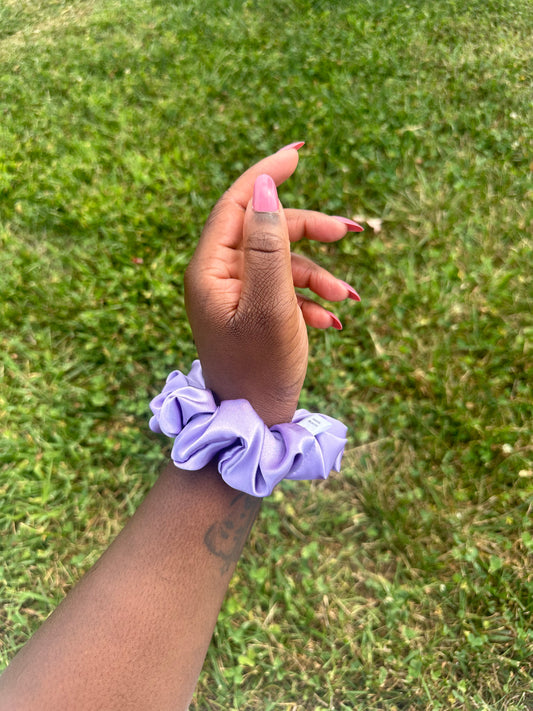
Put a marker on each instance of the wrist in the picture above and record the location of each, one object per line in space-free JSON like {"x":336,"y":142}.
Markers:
{"x":274,"y":405}
{"x":272,"y":410}
{"x":274,"y":413}
{"x":251,"y":455}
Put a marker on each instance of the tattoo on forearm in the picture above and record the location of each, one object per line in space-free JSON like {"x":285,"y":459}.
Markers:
{"x":226,"y":539}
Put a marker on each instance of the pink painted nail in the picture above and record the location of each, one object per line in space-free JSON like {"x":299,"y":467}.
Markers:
{"x":350,"y":224}
{"x":297,"y":145}
{"x":335,"y":322}
{"x":265,"y":198}
{"x":352,"y":293}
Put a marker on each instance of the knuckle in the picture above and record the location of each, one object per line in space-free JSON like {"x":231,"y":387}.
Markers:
{"x":218,"y":210}
{"x":264,"y":242}
{"x":261,"y":320}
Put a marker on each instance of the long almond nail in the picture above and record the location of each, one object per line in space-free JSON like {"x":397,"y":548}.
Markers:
{"x":265,"y":197}
{"x":352,"y":293}
{"x":335,"y":322}
{"x":297,"y":145}
{"x":350,"y":224}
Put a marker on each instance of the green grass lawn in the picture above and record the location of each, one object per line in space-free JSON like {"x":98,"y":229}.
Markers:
{"x":405,"y":582}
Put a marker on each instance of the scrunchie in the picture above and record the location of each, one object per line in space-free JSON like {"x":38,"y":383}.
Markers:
{"x":251,"y":457}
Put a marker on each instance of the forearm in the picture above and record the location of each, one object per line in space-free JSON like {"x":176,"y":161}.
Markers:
{"x":134,"y":632}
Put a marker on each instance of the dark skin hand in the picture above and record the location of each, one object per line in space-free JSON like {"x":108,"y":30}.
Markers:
{"x":133,"y":633}
{"x":241,"y":300}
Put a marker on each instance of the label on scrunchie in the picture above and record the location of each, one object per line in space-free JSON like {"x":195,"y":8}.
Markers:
{"x":315,"y":424}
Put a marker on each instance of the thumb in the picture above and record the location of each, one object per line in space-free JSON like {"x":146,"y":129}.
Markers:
{"x":267,"y":288}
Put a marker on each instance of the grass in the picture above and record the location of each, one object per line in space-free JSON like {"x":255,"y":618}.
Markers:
{"x":405,"y":583}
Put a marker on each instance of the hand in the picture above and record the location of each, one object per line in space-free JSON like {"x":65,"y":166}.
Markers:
{"x":248,"y":323}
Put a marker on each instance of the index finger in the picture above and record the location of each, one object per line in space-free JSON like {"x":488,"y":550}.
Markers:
{"x":225,"y":223}
{"x":279,"y":166}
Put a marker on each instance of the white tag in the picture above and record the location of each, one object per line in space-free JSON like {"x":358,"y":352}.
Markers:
{"x":315,"y":424}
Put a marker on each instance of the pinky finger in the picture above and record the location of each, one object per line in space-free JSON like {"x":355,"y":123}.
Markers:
{"x":317,"y":316}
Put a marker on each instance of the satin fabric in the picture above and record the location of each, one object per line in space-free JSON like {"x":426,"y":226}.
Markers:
{"x":251,"y":457}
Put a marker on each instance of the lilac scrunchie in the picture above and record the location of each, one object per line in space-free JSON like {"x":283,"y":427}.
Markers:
{"x":251,"y":457}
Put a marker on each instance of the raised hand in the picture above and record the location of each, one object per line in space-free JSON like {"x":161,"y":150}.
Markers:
{"x":248,"y":322}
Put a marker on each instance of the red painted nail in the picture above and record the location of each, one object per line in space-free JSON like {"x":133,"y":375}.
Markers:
{"x":265,"y":197}
{"x":350,"y":224}
{"x":297,"y":145}
{"x":335,"y":322}
{"x":352,"y":293}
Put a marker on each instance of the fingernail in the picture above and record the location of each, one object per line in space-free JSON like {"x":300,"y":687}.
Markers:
{"x":350,"y":224}
{"x":352,"y":293}
{"x":335,"y":322}
{"x":265,"y":198}
{"x":297,"y":145}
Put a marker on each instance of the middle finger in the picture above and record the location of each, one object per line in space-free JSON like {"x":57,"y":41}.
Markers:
{"x":318,"y":226}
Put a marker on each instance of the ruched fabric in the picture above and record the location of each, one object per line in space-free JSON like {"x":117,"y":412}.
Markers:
{"x":251,"y":457}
